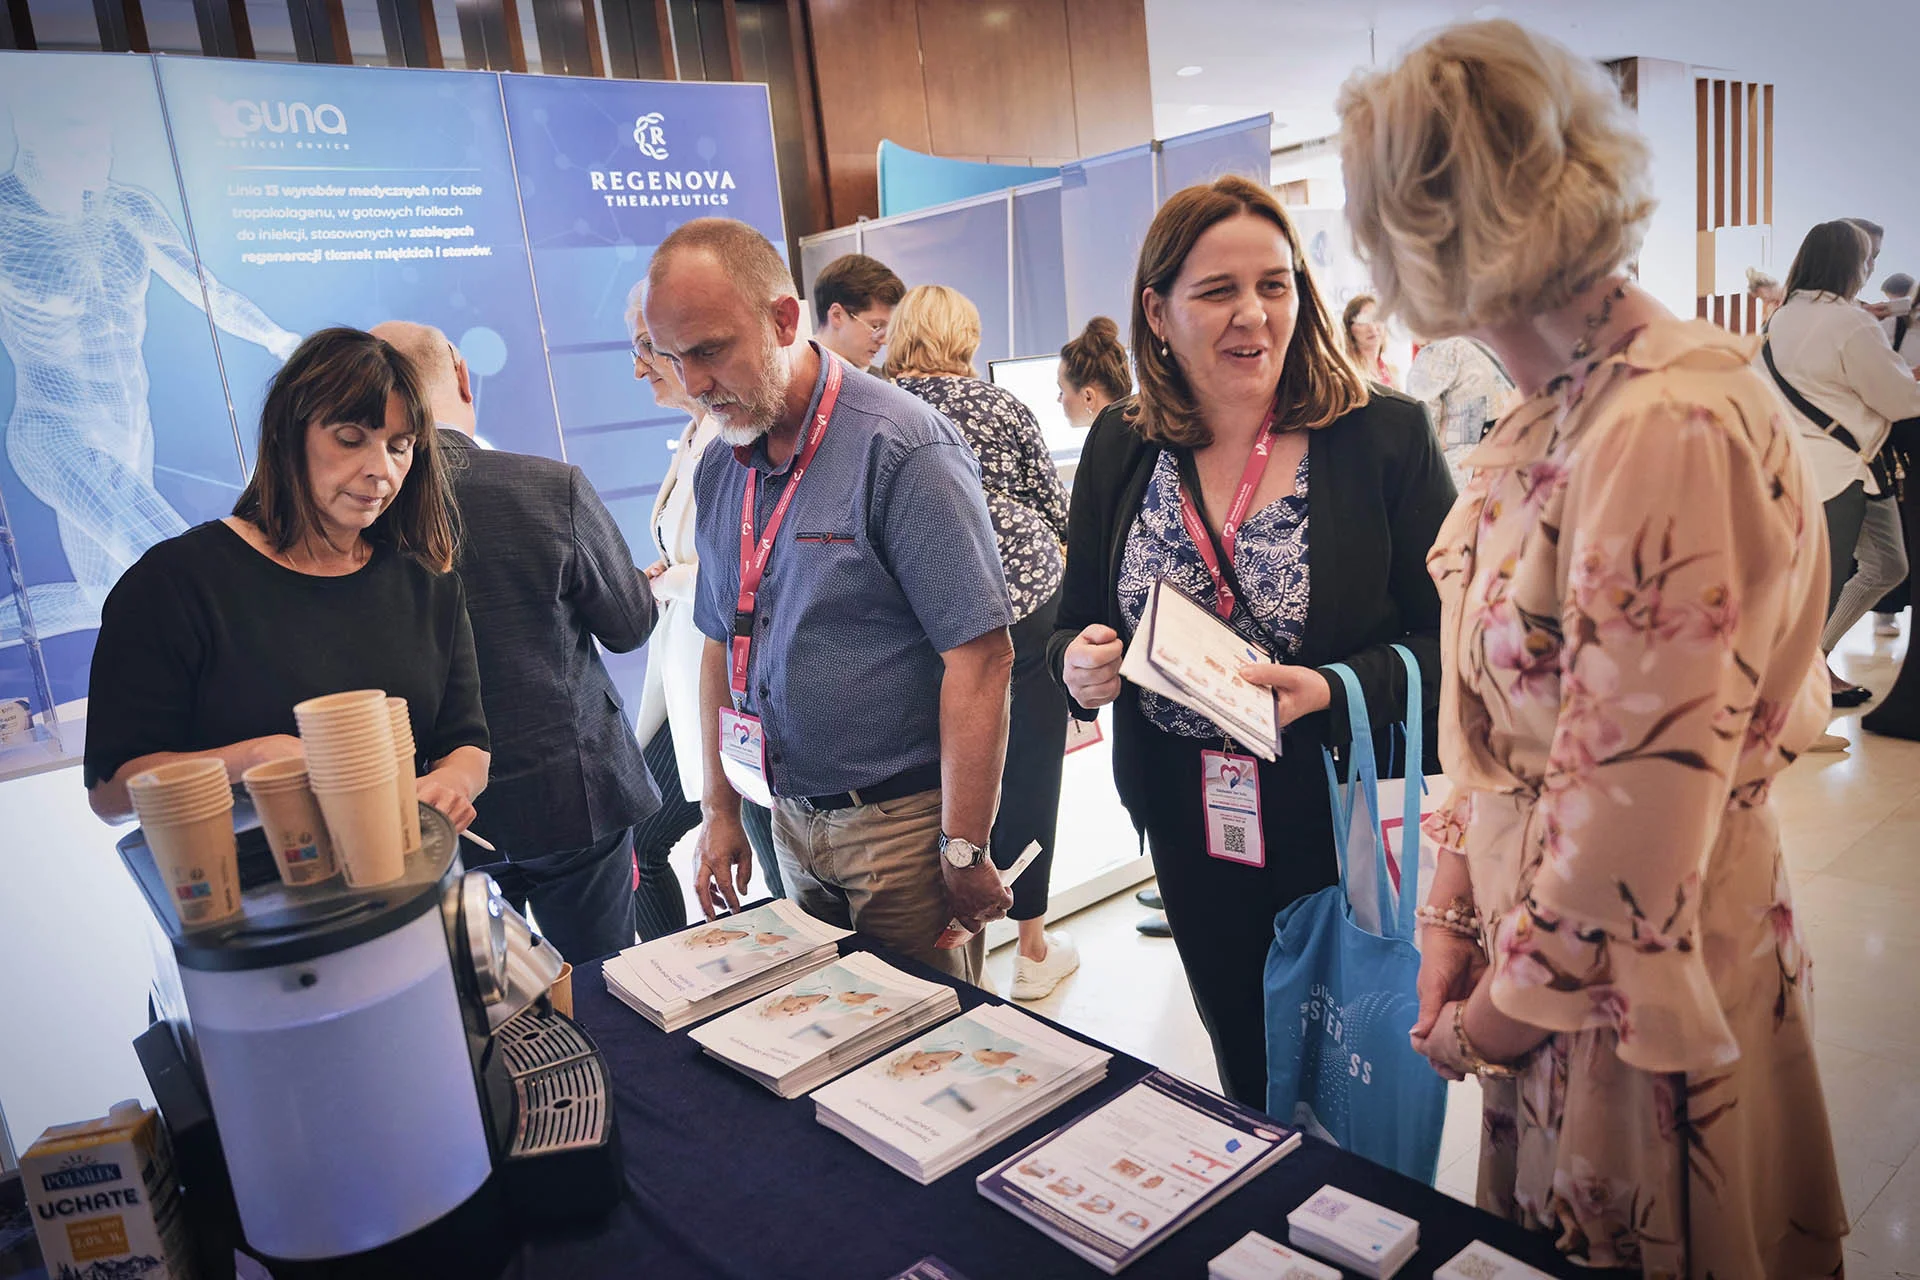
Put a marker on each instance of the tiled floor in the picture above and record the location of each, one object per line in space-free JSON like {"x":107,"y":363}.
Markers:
{"x":1852,"y":828}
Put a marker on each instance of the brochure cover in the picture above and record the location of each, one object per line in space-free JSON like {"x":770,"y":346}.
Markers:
{"x":697,"y":963}
{"x":805,"y":1021}
{"x":1125,"y":1176}
{"x":943,"y":1092}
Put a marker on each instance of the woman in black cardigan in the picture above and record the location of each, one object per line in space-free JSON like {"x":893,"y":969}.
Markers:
{"x":1234,"y":347}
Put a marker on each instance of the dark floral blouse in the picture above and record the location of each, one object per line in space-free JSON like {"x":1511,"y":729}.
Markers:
{"x":1025,"y":498}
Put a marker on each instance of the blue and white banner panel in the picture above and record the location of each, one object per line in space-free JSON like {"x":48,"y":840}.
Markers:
{"x":116,"y":426}
{"x":607,"y":169}
{"x":353,"y":195}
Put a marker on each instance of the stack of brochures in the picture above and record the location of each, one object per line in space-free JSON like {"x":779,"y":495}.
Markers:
{"x":1354,"y":1233}
{"x":686,"y":976}
{"x":1254,"y":1257}
{"x":1122,"y":1178}
{"x":1480,"y":1261}
{"x":810,"y":1031}
{"x":1183,"y":651}
{"x":938,"y":1101}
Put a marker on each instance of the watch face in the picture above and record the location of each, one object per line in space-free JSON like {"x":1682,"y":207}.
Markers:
{"x":961,"y":853}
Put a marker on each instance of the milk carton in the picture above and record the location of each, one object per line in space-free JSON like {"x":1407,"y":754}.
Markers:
{"x":104,"y":1201}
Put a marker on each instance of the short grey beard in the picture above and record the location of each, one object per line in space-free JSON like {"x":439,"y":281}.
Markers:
{"x":740,"y":437}
{"x":774,"y":388}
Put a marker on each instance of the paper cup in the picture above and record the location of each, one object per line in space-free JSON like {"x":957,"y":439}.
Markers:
{"x":561,"y":992}
{"x":366,"y":835}
{"x":199,"y":863}
{"x":403,"y":771}
{"x":353,"y":704}
{"x":182,"y":790}
{"x":291,"y":819}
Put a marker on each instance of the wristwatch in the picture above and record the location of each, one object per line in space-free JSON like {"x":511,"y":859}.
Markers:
{"x":960,"y":852}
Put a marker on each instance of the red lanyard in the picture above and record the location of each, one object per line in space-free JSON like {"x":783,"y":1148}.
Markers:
{"x":754,"y":554}
{"x":1236,"y":513}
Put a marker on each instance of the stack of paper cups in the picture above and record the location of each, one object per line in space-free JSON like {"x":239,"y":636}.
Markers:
{"x":349,"y":744}
{"x":403,"y":773}
{"x":186,"y":813}
{"x":291,"y":818}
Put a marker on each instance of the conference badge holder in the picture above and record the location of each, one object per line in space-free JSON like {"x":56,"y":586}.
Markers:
{"x":743,"y":756}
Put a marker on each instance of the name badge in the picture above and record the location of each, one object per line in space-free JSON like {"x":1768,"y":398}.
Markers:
{"x":743,"y":756}
{"x":1230,"y":793}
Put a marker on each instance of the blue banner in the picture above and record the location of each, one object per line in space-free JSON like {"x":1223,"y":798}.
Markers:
{"x":353,"y":195}
{"x":607,"y":169}
{"x":117,"y":429}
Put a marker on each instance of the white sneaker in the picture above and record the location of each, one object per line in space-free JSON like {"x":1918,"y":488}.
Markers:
{"x":1886,"y":625}
{"x":1036,"y":979}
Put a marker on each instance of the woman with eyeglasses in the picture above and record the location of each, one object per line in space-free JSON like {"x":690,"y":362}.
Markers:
{"x":669,"y":721}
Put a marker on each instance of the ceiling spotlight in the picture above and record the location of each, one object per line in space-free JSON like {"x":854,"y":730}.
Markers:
{"x":1188,"y":71}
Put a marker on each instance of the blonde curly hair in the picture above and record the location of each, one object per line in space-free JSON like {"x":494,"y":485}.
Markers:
{"x":1491,"y":175}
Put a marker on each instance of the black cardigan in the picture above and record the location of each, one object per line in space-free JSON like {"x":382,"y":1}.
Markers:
{"x":1377,"y":490}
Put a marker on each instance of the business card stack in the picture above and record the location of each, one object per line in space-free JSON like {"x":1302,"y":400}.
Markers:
{"x":1480,"y":1261}
{"x":938,"y":1101}
{"x":1353,"y":1233}
{"x":809,"y":1031}
{"x":677,"y":980}
{"x":1254,"y":1257}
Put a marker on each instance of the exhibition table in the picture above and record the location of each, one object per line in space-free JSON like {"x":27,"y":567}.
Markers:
{"x":725,"y":1181}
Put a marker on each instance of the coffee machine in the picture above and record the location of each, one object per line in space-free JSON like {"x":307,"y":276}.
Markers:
{"x":371,"y":1080}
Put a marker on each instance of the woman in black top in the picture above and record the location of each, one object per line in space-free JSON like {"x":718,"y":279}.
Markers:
{"x":333,"y":573}
{"x":1229,"y":335}
{"x":934,"y":335}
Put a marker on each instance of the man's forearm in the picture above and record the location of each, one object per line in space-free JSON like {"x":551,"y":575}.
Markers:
{"x":717,"y":796}
{"x":973,"y":734}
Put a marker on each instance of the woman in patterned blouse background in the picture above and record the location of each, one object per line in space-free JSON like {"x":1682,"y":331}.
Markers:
{"x":1632,"y":586}
{"x":931,"y":343}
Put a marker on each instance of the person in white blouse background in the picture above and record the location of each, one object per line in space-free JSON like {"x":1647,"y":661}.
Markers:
{"x":1832,"y":360}
{"x":669,"y":721}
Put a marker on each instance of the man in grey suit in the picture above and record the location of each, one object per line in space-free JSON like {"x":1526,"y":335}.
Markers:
{"x":547,"y":573}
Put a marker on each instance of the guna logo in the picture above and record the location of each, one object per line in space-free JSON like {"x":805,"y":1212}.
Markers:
{"x":243,"y":118}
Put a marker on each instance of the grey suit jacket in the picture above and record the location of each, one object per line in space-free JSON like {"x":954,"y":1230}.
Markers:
{"x":547,"y":573}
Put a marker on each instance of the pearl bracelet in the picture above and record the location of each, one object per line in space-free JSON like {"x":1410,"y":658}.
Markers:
{"x":1457,"y":917}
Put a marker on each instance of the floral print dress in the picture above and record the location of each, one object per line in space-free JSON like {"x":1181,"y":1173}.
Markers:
{"x":1632,"y":587}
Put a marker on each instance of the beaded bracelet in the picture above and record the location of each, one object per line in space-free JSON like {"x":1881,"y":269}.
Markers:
{"x":1476,"y":1064}
{"x":1457,"y":917}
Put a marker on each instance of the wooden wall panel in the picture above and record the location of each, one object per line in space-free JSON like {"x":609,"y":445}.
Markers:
{"x":1112,"y":95}
{"x":1734,"y":122}
{"x":569,"y":36}
{"x":320,"y":31}
{"x":123,"y":27}
{"x":993,"y":79}
{"x":16,"y":27}
{"x":639,"y":40}
{"x":867,"y":76}
{"x":411,"y":32}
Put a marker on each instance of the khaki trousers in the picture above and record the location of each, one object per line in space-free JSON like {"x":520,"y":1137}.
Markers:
{"x":875,"y":868}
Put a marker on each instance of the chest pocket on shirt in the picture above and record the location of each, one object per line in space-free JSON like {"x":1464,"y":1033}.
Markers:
{"x":824,"y":539}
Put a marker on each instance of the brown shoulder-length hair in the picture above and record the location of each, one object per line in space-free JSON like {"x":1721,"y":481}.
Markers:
{"x":1319,"y":382}
{"x":344,"y":375}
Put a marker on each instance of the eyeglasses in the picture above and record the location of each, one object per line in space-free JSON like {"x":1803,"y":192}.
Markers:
{"x":878,"y":330}
{"x":643,"y":350}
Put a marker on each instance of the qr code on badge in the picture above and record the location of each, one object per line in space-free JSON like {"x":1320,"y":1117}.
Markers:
{"x":1236,"y":838}
{"x":1469,"y":1267}
{"x":1327,"y":1207}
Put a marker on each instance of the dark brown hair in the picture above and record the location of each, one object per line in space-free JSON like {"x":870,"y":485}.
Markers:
{"x":1318,"y":380}
{"x":1832,"y":259}
{"x":1096,"y":359}
{"x":344,"y":375}
{"x":856,"y":282}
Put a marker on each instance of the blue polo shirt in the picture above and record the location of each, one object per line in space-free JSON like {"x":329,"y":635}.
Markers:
{"x":885,"y":560}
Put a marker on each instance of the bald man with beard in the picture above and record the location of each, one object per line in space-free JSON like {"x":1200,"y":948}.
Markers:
{"x":547,"y":574}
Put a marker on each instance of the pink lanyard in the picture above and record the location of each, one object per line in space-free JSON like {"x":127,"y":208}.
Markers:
{"x":754,"y":554}
{"x":1236,"y":514}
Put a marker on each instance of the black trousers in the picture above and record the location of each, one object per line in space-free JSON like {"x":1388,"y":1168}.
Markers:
{"x":659,"y":906}
{"x":1222,"y":912}
{"x":1036,"y":748}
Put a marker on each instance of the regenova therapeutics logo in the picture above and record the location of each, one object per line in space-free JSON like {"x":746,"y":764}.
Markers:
{"x":653,"y":185}
{"x":650,"y":135}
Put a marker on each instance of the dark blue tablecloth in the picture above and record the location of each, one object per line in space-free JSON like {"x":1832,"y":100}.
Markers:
{"x":725,"y":1181}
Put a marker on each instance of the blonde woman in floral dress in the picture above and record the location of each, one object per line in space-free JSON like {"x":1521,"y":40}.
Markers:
{"x":1632,"y":586}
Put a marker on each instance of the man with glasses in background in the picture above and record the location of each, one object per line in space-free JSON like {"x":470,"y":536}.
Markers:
{"x":853,"y":301}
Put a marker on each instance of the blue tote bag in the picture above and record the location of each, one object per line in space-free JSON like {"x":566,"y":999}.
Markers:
{"x":1340,"y":998}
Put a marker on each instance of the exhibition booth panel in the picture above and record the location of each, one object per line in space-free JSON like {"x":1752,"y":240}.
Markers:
{"x":173,"y":226}
{"x":911,"y":180}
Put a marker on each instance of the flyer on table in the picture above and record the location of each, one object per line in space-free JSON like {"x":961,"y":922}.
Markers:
{"x":809,"y":1018}
{"x":696,"y":963}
